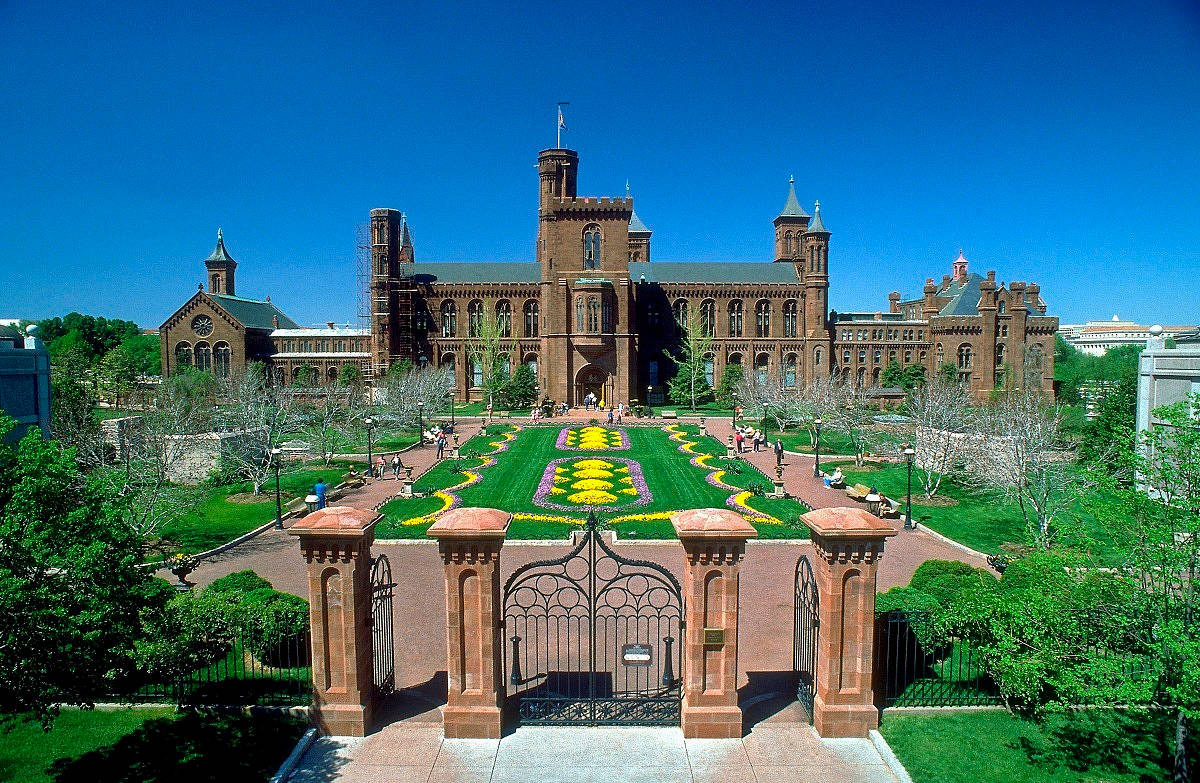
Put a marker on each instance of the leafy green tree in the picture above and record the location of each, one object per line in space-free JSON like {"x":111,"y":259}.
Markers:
{"x":731,"y":378}
{"x":521,"y":390}
{"x":907,"y":378}
{"x":948,"y":372}
{"x":145,"y":351}
{"x":70,"y":586}
{"x":400,"y":368}
{"x":305,"y":377}
{"x":118,"y":374}
{"x":689,"y":386}
{"x":1117,"y":412}
{"x":350,"y":374}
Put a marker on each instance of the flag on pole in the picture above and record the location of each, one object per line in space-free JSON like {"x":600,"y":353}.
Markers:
{"x":561,"y":123}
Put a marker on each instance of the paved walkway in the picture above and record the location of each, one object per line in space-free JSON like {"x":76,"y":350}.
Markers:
{"x":403,"y":752}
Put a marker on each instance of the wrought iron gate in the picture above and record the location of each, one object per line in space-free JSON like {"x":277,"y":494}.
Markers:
{"x":382,"y":588}
{"x":594,"y":638}
{"x":807,"y":629}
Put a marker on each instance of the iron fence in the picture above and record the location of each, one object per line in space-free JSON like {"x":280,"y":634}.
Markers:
{"x":248,"y":672}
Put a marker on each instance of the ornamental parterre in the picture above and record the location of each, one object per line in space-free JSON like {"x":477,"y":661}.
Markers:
{"x":581,"y":484}
{"x":592,"y":438}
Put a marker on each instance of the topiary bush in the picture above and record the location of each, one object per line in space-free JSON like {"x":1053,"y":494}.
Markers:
{"x":239,"y":582}
{"x":946,"y":580}
{"x":275,"y":627}
{"x":190,"y":632}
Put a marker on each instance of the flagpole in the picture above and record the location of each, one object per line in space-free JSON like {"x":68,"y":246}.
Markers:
{"x":561,"y":124}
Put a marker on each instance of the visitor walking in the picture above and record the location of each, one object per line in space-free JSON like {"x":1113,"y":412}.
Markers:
{"x":754,"y":436}
{"x":619,"y":415}
{"x":737,"y":439}
{"x":610,"y":417}
{"x":779,"y":451}
{"x":379,"y":467}
{"x":319,"y":491}
{"x":441,"y":445}
{"x":396,"y":466}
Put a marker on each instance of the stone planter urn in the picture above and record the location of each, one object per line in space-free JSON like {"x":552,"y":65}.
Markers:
{"x":181,"y":565}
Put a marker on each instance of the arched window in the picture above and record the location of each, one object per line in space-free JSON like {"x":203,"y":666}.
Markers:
{"x":183,"y":355}
{"x":580,"y":305}
{"x":1000,"y":308}
{"x":447,"y":363}
{"x":505,"y":366}
{"x":790,"y":318}
{"x":789,"y":370}
{"x":531,"y":318}
{"x":735,"y":318}
{"x":875,"y":356}
{"x":1000,"y":353}
{"x":477,"y":374}
{"x":331,"y":375}
{"x":964,"y":357}
{"x":762,"y":319}
{"x":1033,"y":363}
{"x":908,"y":357}
{"x":710,"y":371}
{"x":846,"y":357}
{"x":941,"y":355}
{"x":203,"y":356}
{"x":449,"y":319}
{"x":606,"y":320}
{"x":762,"y":364}
{"x":474,"y":318}
{"x":817,"y":356}
{"x":875,"y":376}
{"x":891,"y":356}
{"x":593,"y":314}
{"x":531,"y":362}
{"x":221,"y":359}
{"x":591,"y":247}
{"x":734,"y":358}
{"x":504,"y":317}
{"x":216,"y":284}
{"x":708,"y":318}
{"x":787,"y":243}
{"x":680,"y":311}
{"x":862,"y":377}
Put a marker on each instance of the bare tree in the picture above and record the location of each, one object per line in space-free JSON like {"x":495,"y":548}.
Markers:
{"x":941,"y":411}
{"x":844,"y":407}
{"x":404,"y":396}
{"x":1017,"y":448}
{"x":486,"y":347}
{"x":263,"y":415}
{"x":334,"y":416}
{"x":788,"y":407}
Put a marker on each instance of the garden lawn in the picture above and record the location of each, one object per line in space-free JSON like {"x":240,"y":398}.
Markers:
{"x":996,"y":747}
{"x":511,"y":484}
{"x":215,"y":520}
{"x":980,"y":520}
{"x":153,"y":745}
{"x":835,"y":443}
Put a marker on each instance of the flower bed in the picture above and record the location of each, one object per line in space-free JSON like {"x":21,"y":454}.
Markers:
{"x":592,"y":438}
{"x":583,"y":484}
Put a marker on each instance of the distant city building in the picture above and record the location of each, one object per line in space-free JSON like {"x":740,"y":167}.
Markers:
{"x":1095,"y":338}
{"x":594,"y":314}
{"x":24,"y":381}
{"x":1165,"y":376}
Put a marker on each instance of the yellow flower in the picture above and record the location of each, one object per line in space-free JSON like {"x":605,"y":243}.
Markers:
{"x":593,"y":473}
{"x":628,"y":490}
{"x":557,"y":491}
{"x":592,"y":497}
{"x":626,"y":479}
{"x":592,"y":430}
{"x":591,"y":463}
{"x":544,"y":518}
{"x":643,"y":517}
{"x":561,"y":479}
{"x":592,"y":483}
{"x":622,"y":469}
{"x":560,"y":469}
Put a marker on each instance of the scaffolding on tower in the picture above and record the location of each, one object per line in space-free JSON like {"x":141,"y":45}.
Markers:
{"x":362,"y":279}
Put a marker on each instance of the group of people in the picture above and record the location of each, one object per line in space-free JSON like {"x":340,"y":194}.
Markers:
{"x":751,"y":435}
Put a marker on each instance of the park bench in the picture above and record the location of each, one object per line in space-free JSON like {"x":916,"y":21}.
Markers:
{"x":889,"y":509}
{"x":669,"y":414}
{"x":296,"y":506}
{"x":858,"y":491}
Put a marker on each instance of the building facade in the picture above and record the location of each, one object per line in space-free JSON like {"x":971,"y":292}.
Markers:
{"x":1095,"y":338}
{"x":593,"y":313}
{"x":24,"y":381}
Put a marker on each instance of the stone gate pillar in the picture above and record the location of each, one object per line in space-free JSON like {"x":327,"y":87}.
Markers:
{"x":714,"y":541}
{"x":848,"y":543}
{"x":336,"y":543}
{"x":469,"y":540}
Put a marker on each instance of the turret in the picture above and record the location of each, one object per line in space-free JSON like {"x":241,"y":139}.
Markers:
{"x":558,"y":172}
{"x":959,"y":268}
{"x":639,"y":234}
{"x":814,"y":269}
{"x":790,"y":224}
{"x":930,"y":308}
{"x":221,"y":268}
{"x":894,"y":302}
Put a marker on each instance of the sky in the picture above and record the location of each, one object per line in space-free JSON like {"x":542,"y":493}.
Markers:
{"x":1052,"y":142}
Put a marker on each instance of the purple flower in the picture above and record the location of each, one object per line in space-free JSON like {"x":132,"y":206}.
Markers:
{"x":542,"y":498}
{"x":561,"y":443}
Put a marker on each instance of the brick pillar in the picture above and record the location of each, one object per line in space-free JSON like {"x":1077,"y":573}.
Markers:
{"x":848,"y":543}
{"x":336,"y":543}
{"x":714,"y":541}
{"x":469,"y":540}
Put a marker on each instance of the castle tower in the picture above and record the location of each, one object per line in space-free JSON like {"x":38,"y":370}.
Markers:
{"x":959,"y":269}
{"x":790,"y":226}
{"x":639,"y":235}
{"x":389,"y":231}
{"x":814,"y":267}
{"x":558,"y":173}
{"x":221,"y":267}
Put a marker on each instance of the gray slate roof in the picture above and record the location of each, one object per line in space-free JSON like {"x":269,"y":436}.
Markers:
{"x":791,"y":207}
{"x":219,"y":252}
{"x":713,"y":272}
{"x":477,"y":272}
{"x":252,"y":313}
{"x":817,"y":226}
{"x":636,"y":225}
{"x":964,"y":296}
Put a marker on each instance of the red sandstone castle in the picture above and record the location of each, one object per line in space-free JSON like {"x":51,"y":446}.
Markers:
{"x":593,"y":313}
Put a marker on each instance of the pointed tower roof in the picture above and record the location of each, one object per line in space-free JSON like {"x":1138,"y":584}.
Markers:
{"x":219,"y":253}
{"x":791,"y":207}
{"x":636,"y":226}
{"x":817,"y":226}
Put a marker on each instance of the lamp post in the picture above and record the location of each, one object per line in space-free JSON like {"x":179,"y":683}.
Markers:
{"x":275,"y":454}
{"x":369,"y":422}
{"x":450,"y":396}
{"x":909,"y":453}
{"x":420,"y":424}
{"x":817,"y":448}
{"x":649,"y":389}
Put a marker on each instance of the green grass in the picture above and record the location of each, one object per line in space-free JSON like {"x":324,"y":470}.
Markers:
{"x":155,"y":745}
{"x":511,"y":484}
{"x":980,"y":520}
{"x":103,"y":414}
{"x":994,"y":746}
{"x":214,"y":520}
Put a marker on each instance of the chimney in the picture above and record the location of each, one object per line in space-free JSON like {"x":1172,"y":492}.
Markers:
{"x":945,"y":280}
{"x":992,"y":275}
{"x":275,"y":321}
{"x":329,"y":324}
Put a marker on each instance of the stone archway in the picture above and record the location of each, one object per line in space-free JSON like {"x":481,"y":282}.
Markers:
{"x":594,"y":380}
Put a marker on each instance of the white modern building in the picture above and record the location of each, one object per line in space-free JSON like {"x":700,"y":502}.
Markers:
{"x":1096,"y":337}
{"x":24,"y":381}
{"x":1165,"y":375}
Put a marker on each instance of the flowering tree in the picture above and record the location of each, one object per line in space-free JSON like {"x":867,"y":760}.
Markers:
{"x":942,"y":414}
{"x":263,"y":414}
{"x":403,"y":396}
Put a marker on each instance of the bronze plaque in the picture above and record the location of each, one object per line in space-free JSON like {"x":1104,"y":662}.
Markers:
{"x":714,"y":636}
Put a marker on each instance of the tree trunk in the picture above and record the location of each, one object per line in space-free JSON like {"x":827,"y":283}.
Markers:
{"x":1181,"y":745}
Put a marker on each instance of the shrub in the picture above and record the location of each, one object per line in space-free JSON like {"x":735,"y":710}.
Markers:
{"x":945,"y":580}
{"x":190,"y":632}
{"x":239,"y":582}
{"x":905,"y":599}
{"x":224,"y":473}
{"x":275,"y":627}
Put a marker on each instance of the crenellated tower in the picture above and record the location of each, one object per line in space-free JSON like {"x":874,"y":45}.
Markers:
{"x":391,"y":289}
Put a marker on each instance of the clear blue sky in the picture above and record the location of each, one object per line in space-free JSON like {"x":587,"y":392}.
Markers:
{"x":1056,"y":142}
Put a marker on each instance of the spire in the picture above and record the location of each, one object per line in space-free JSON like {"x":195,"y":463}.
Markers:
{"x":791,"y":207}
{"x":405,"y":237}
{"x":636,"y":226}
{"x":219,"y":253}
{"x":817,"y":226}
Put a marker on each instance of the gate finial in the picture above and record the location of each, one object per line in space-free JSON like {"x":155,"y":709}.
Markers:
{"x":593,"y":521}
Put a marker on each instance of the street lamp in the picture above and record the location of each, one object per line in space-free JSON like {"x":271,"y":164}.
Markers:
{"x":450,"y":396}
{"x":275,"y":453}
{"x":420,"y":423}
{"x":817,"y":448}
{"x":909,"y":453}
{"x":649,"y":391}
{"x":369,"y":422}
